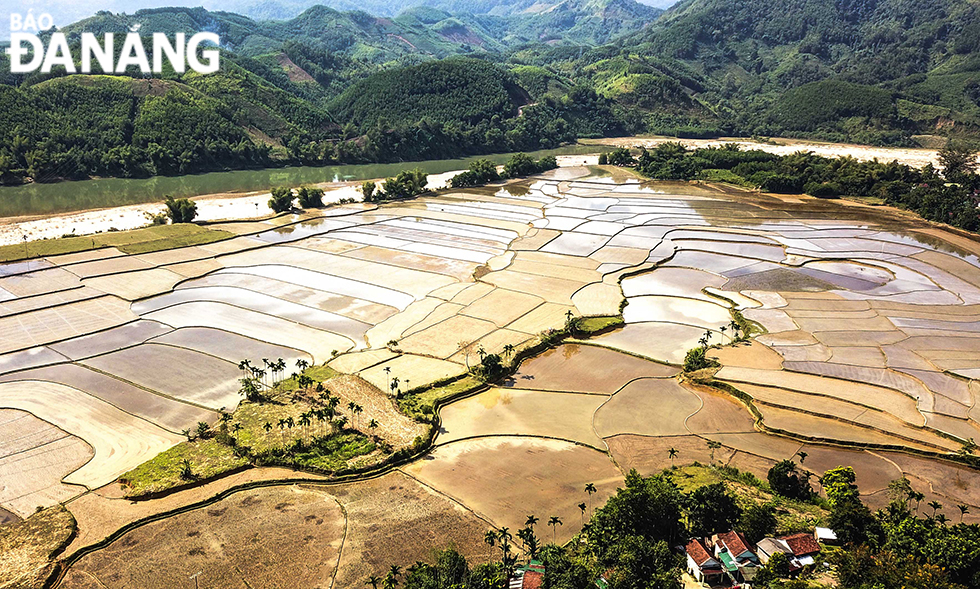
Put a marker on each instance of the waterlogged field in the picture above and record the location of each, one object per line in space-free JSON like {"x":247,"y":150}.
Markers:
{"x":866,"y":344}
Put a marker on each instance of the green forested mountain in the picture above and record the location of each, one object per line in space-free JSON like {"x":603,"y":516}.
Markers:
{"x":922,"y":53}
{"x":475,"y":76}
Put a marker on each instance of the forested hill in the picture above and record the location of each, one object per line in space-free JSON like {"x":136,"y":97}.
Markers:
{"x":912,"y":65}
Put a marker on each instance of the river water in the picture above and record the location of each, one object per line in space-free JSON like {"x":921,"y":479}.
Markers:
{"x":63,"y":197}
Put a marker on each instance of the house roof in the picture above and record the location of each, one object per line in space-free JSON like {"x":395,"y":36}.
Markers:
{"x":533,"y":580}
{"x":728,"y":561}
{"x":697,"y":552}
{"x":735,"y":543}
{"x":801,"y":544}
{"x":771,"y":546}
{"x":825,"y":534}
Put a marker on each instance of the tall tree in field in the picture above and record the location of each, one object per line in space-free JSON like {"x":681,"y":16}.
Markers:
{"x":554,"y":522}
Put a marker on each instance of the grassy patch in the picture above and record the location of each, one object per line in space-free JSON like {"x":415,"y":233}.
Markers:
{"x":421,"y":405}
{"x":137,"y":241}
{"x":791,"y":515}
{"x":867,"y":200}
{"x":28,"y":546}
{"x":719,"y":175}
{"x":590,"y":325}
{"x":331,"y":453}
{"x":207,"y":458}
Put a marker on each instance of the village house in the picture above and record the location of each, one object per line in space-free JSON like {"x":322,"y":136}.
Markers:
{"x":528,"y":577}
{"x":800,"y":549}
{"x":736,"y":557}
{"x":701,"y":565}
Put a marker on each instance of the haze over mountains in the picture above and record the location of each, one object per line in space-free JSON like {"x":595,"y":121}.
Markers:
{"x":349,"y":86}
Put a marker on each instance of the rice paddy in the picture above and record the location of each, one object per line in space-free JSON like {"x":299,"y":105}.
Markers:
{"x":863,"y":343}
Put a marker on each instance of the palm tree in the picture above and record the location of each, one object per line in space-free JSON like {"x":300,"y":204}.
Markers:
{"x":302,"y":364}
{"x":244,"y":366}
{"x":942,"y":519}
{"x":672,"y":454}
{"x":373,"y":581}
{"x":917,"y":497}
{"x":802,"y":456}
{"x":964,"y":509}
{"x":394,"y":384}
{"x":373,"y":424}
{"x":530,"y":521}
{"x":357,"y":411}
{"x":723,"y":329}
{"x":712,"y":446}
{"x":583,"y":507}
{"x":267,"y":427}
{"x":590,"y":489}
{"x":281,"y":367}
{"x":505,"y":537}
{"x":936,"y":506}
{"x":554,"y":522}
{"x":388,"y":373}
{"x":734,"y":325}
{"x":490,"y":538}
{"x":508,"y":350}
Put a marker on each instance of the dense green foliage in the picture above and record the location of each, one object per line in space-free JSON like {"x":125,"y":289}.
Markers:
{"x":406,"y":184}
{"x":786,"y":480}
{"x":924,"y":191}
{"x":895,"y":547}
{"x":309,"y":197}
{"x":521,"y":164}
{"x":463,"y":90}
{"x":480,"y":172}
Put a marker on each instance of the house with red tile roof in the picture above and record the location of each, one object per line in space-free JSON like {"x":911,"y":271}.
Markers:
{"x":528,"y":577}
{"x":736,"y":545}
{"x":800,"y":549}
{"x":701,"y":564}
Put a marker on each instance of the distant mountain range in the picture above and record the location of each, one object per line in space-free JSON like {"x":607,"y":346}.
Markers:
{"x":69,"y":11}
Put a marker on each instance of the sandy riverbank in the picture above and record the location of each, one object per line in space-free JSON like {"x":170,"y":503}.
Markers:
{"x":209,"y":208}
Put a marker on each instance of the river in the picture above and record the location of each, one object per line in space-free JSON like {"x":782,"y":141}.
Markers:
{"x":63,"y":197}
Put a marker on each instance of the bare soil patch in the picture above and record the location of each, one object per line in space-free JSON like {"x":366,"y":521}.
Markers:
{"x":395,"y":520}
{"x":271,"y":537}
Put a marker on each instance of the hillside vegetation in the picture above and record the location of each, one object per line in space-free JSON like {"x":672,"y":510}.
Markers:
{"x":460,"y":78}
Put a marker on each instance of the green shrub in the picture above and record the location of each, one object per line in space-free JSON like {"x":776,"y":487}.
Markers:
{"x":181,"y":210}
{"x":310,"y":197}
{"x":696,"y":359}
{"x":282,"y":199}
